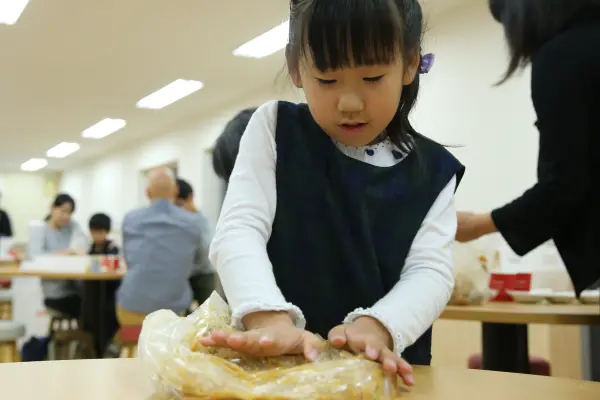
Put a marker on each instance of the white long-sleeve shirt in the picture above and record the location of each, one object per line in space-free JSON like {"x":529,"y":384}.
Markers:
{"x":239,"y":247}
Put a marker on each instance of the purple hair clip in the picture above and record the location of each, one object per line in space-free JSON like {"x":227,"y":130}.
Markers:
{"x":426,"y":63}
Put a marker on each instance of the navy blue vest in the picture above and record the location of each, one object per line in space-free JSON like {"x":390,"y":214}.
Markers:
{"x":343,"y":228}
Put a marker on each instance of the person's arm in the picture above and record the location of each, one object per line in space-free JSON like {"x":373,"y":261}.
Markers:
{"x":113,"y":249}
{"x":201,"y":262}
{"x":239,"y":248}
{"x":426,"y":281}
{"x":558,"y":92}
{"x":36,"y":243}
{"x":125,"y":235}
{"x":80,"y":242}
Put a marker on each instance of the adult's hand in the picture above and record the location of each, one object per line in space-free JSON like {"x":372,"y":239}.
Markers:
{"x":472,"y":226}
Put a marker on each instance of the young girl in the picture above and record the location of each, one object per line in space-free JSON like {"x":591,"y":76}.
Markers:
{"x":339,"y":216}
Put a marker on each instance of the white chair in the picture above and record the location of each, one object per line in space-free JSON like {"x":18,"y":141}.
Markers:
{"x":10,"y":332}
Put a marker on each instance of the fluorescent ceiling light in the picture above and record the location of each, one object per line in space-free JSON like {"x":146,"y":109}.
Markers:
{"x":265,"y":44}
{"x":104,"y":128}
{"x":62,"y":150}
{"x":34,"y":164}
{"x":11,"y":10}
{"x":169,"y":94}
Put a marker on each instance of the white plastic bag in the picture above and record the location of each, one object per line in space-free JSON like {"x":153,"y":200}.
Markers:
{"x":473,"y":264}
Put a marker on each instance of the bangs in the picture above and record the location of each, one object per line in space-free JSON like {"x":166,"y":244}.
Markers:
{"x":350,"y":33}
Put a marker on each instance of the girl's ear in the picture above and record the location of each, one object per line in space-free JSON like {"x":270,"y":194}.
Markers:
{"x":296,"y":80}
{"x":293,"y":71}
{"x":412,"y":69}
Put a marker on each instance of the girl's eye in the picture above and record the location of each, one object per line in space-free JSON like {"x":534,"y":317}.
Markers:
{"x":326,"y":81}
{"x":373,"y":78}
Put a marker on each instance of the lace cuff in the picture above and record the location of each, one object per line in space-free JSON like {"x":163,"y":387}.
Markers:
{"x":361,"y":312}
{"x":240,"y":312}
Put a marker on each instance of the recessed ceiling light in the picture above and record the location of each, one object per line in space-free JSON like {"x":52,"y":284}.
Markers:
{"x":11,"y":10}
{"x":104,"y":128}
{"x":62,"y":150}
{"x":34,"y":164}
{"x":265,"y":44}
{"x":169,"y":94}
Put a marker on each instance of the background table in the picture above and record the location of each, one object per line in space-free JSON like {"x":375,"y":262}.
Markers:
{"x":14,"y":272}
{"x":93,"y":302}
{"x":127,"y":380}
{"x":504,"y":328}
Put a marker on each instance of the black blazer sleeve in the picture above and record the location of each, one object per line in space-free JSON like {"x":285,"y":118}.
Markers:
{"x":5,"y":225}
{"x":558,"y":87}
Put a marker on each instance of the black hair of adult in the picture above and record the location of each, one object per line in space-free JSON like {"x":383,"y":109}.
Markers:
{"x":529,"y":24}
{"x":100,"y":222}
{"x":184,"y":189}
{"x":343,"y":33}
{"x":228,"y":144}
{"x":62,"y":199}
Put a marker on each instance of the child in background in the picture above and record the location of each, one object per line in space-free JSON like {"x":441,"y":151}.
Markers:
{"x":339,"y":216}
{"x":100,"y":226}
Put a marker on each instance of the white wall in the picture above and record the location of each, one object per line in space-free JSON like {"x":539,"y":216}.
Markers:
{"x":458,"y":105}
{"x":25,"y":197}
{"x":113,"y":184}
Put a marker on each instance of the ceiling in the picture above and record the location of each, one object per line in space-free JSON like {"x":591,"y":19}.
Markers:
{"x":67,"y":64}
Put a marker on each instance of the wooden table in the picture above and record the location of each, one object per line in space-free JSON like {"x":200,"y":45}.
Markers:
{"x":94,"y":315}
{"x":14,"y":272}
{"x":515,"y":313}
{"x":9,"y":263}
{"x":127,"y":380}
{"x":504,"y":328}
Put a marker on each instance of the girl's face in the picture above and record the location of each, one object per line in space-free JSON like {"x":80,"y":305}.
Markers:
{"x":61,"y":215}
{"x":354,"y":105}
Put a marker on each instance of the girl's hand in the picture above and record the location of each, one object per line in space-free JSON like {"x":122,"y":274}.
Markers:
{"x":368,"y":336}
{"x":269,"y":334}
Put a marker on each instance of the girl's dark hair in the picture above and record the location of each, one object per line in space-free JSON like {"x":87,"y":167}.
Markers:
{"x":343,"y":33}
{"x":529,"y":24}
{"x":228,"y":144}
{"x":62,"y":199}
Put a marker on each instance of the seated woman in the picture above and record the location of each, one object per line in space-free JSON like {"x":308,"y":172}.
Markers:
{"x":57,"y":236}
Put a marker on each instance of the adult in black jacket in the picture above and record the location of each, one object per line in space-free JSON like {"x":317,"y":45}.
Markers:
{"x":561,"y":40}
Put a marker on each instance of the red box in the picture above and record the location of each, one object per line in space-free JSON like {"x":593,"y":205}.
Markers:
{"x":523,"y":282}
{"x":503,"y":282}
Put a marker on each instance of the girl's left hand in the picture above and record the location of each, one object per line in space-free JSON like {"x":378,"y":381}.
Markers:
{"x":368,"y":336}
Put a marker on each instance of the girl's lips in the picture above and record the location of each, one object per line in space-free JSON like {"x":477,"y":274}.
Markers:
{"x":353,"y":129}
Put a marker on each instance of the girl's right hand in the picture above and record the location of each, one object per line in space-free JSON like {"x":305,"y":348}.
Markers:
{"x":274,"y":334}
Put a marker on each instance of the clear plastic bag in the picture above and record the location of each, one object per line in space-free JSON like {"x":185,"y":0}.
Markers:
{"x":184,"y":369}
{"x":474,"y":262}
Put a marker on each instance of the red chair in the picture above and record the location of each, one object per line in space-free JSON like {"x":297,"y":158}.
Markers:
{"x":537,"y":365}
{"x":128,"y":338}
{"x":5,"y":284}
